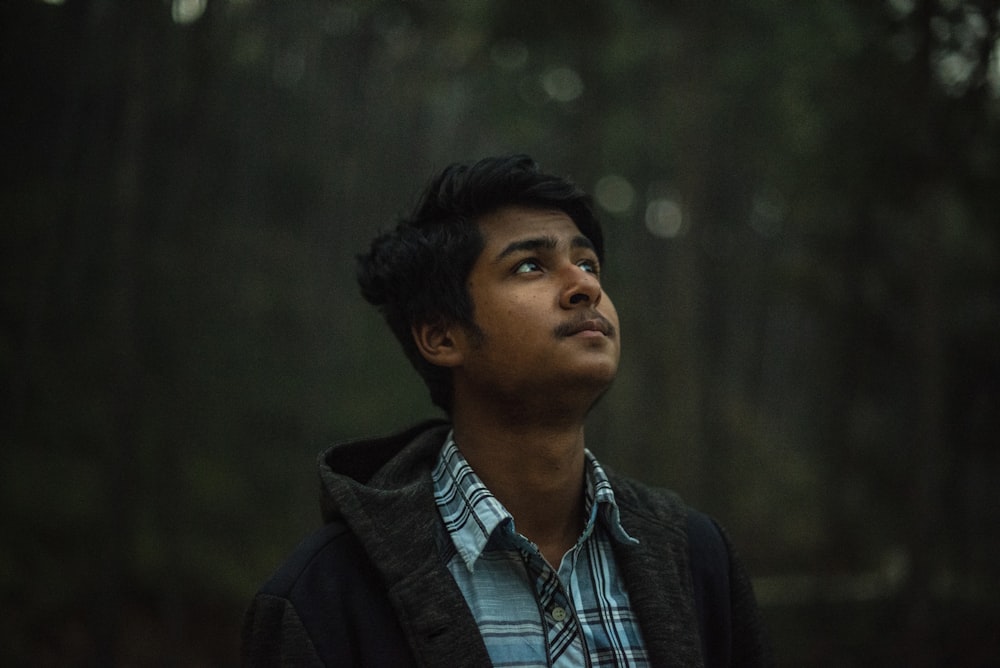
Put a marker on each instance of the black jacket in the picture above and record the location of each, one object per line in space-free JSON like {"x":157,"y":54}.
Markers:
{"x":371,"y":588}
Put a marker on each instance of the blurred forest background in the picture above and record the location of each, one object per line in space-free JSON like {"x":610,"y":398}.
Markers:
{"x":801,"y":203}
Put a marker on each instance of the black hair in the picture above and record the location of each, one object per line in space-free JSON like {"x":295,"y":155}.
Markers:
{"x":417,"y":272}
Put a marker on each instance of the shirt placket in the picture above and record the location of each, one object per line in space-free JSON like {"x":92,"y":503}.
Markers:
{"x":562,"y":629}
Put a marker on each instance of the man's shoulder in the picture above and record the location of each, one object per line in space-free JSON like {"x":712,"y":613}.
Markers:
{"x":664,"y":513}
{"x":325,"y":605}
{"x":652,"y":502}
{"x":331,"y":553}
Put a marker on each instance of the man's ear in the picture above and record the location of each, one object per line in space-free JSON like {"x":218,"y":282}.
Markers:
{"x":437,"y":343}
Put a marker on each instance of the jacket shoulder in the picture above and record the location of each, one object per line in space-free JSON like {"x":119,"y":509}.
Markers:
{"x":327,"y":597}
{"x":659,"y":505}
{"x":333,"y":545}
{"x":729,"y":629}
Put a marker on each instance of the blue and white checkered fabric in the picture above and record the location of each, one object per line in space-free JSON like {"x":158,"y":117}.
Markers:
{"x":528,"y":613}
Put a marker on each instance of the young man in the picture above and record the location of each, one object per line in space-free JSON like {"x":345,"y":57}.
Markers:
{"x":495,"y":537}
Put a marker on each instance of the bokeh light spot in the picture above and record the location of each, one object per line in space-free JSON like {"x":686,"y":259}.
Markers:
{"x":614,"y":193}
{"x":664,"y":218}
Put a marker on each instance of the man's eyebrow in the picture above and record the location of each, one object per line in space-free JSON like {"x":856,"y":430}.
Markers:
{"x":531,"y":244}
{"x":541,"y":243}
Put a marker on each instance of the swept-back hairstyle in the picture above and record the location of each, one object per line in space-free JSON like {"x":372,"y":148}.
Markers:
{"x":417,"y":272}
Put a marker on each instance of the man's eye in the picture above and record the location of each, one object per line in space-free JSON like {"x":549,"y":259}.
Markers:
{"x":527,"y":266}
{"x":590,"y":265}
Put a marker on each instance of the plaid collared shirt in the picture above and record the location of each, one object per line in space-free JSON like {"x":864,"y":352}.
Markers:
{"x":528,"y":613}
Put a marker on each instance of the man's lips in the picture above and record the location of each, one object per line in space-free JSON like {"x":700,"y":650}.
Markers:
{"x":596,"y":324}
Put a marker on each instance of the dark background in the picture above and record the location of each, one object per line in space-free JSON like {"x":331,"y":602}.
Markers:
{"x":801,"y":203}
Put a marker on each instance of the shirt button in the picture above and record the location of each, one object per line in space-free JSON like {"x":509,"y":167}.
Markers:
{"x":558,"y":613}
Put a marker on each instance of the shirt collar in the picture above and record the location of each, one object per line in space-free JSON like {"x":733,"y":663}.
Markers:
{"x":601,"y":499}
{"x":472,"y":515}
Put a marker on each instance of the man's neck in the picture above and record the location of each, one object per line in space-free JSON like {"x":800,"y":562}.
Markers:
{"x":536,"y":470}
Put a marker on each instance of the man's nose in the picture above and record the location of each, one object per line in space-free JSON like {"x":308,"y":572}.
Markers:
{"x":582,"y":287}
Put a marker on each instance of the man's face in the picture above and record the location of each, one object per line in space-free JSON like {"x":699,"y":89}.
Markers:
{"x":546,"y":327}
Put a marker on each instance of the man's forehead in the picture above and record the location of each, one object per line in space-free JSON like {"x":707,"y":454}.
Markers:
{"x":509,"y":223}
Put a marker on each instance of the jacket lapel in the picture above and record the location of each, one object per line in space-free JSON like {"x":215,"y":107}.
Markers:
{"x":396,"y":520}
